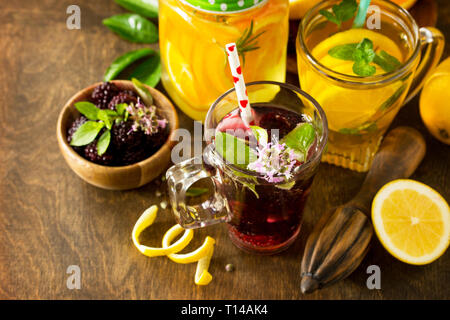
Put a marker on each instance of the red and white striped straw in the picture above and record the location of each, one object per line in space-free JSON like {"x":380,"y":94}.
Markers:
{"x":239,"y":84}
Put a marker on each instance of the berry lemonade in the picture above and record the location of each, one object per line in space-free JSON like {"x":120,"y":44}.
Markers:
{"x":264,"y":194}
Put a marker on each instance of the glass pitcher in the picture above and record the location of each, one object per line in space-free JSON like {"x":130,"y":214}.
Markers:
{"x":193,"y":35}
{"x":361,"y":108}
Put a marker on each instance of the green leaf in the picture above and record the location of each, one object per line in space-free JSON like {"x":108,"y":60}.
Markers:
{"x":286,"y":186}
{"x":234,"y":150}
{"x":124,"y":61}
{"x":300,"y":139}
{"x":364,"y":69}
{"x":365,"y":127}
{"x":121,"y":107}
{"x":249,"y":185}
{"x":330,"y":16}
{"x":143,"y":92}
{"x":133,"y":27}
{"x":345,"y":10}
{"x":103,"y":142}
{"x":260,"y":134}
{"x":149,"y":72}
{"x":364,"y":51}
{"x":86,"y":133}
{"x":103,"y":116}
{"x":392,"y":99}
{"x":343,"y":51}
{"x":363,"y":55}
{"x":147,"y":8}
{"x":341,"y":12}
{"x":195,"y":192}
{"x":387,"y":62}
{"x":88,"y":109}
{"x":111,"y":113}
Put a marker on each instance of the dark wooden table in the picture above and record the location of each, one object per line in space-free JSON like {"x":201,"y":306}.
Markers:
{"x":50,"y":219}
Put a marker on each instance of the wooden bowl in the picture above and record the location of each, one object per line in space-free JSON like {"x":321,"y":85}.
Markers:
{"x":122,"y":177}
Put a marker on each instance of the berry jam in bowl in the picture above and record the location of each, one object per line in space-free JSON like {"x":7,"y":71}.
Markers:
{"x":117,"y":135}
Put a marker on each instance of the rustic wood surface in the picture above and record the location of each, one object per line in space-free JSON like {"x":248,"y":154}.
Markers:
{"x":50,"y":219}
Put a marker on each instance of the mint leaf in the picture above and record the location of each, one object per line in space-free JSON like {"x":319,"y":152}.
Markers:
{"x":345,"y":10}
{"x":286,"y":186}
{"x":341,"y":12}
{"x":364,"y":51}
{"x":121,"y":107}
{"x":103,"y":142}
{"x":143,"y":92}
{"x":392,"y":99}
{"x":363,"y":69}
{"x":387,"y":62}
{"x":86,"y":133}
{"x":261,"y":135}
{"x":300,"y":139}
{"x":195,"y":192}
{"x":88,"y":109}
{"x":363,"y":55}
{"x":365,"y":127}
{"x":234,"y":150}
{"x":103,"y":116}
{"x":330,"y":16}
{"x":343,"y":51}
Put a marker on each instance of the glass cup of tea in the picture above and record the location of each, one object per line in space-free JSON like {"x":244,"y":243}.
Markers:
{"x":361,"y":99}
{"x":263,"y":212}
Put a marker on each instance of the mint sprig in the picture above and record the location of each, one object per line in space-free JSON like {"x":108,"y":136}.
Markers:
{"x":341,"y":12}
{"x":363,"y":55}
{"x":98,"y":119}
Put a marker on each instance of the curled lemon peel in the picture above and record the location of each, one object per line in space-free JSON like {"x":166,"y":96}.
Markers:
{"x":202,"y":255}
{"x":190,"y":257}
{"x":145,"y":220}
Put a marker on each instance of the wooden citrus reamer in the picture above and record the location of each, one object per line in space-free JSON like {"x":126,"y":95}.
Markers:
{"x":340,"y":239}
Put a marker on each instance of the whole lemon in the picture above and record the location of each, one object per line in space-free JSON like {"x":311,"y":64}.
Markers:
{"x":435,"y":102}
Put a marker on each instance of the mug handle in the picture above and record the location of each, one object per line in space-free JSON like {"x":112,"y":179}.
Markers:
{"x":180,"y":178}
{"x":432,"y":44}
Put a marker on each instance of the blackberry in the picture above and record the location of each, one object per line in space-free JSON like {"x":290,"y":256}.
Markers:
{"x":134,"y":146}
{"x":90,"y":153}
{"x":123,"y":137}
{"x":135,"y":155}
{"x":73,"y":128}
{"x":102,"y":94}
{"x":281,"y":120}
{"x":122,"y":97}
{"x":155,"y":141}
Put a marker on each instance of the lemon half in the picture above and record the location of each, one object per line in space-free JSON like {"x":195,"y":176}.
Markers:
{"x":412,"y":221}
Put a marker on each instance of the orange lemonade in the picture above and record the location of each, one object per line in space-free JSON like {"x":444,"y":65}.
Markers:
{"x":193,"y":35}
{"x":359,"y":75}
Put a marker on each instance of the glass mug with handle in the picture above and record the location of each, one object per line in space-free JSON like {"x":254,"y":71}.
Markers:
{"x":262,"y":217}
{"x":361,"y":99}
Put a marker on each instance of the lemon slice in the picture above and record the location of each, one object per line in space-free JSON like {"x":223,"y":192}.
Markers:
{"x":145,"y":220}
{"x":412,"y":221}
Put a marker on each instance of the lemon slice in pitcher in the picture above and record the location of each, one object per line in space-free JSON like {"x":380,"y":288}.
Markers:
{"x":412,"y":221}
